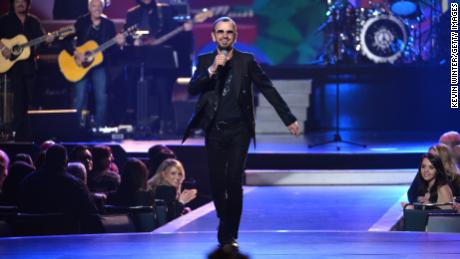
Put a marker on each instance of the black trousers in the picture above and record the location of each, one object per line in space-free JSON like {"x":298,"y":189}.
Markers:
{"x":227,"y":149}
{"x":23,"y":87}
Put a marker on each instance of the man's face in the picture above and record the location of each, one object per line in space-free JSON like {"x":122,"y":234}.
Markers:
{"x":224,"y":35}
{"x":95,"y":8}
{"x":20,"y":6}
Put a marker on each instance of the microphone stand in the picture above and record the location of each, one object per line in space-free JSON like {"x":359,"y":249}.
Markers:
{"x":337,"y":137}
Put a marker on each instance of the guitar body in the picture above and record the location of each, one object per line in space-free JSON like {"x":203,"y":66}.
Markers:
{"x":17,"y":53}
{"x":73,"y":71}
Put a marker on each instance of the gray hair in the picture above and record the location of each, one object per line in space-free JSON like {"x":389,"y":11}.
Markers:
{"x":102,"y":1}
{"x":78,"y":170}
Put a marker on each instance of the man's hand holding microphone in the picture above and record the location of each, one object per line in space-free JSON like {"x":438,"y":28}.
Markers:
{"x":219,"y":61}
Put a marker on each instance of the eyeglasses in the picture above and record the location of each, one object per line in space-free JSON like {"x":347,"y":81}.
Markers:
{"x":229,"y":32}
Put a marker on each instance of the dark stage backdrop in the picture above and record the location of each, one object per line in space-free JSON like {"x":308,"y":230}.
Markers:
{"x":281,"y":32}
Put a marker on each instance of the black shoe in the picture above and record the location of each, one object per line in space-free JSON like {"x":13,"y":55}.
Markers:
{"x":230,"y":246}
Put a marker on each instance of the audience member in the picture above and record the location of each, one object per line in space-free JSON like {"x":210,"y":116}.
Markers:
{"x":452,"y":139}
{"x":4,"y":164}
{"x":52,"y":190}
{"x":41,"y":155}
{"x":158,"y":154}
{"x":456,"y":154}
{"x":450,"y":169}
{"x":18,"y":171}
{"x":23,"y":157}
{"x":82,"y":154}
{"x":101,"y":178}
{"x":166,"y":184}
{"x":450,"y":166}
{"x":133,"y":188}
{"x":78,"y":170}
{"x":431,"y":183}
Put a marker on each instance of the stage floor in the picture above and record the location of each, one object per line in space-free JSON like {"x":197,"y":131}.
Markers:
{"x":278,"y":222}
{"x":385,"y":142}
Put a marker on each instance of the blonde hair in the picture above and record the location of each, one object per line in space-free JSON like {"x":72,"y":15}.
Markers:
{"x":445,"y":153}
{"x":158,"y":179}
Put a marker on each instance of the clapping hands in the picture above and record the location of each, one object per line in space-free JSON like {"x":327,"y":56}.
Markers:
{"x":187,"y":196}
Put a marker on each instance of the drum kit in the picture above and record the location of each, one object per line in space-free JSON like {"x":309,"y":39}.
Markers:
{"x":383,"y":33}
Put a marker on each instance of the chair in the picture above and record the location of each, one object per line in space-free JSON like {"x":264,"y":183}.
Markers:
{"x":6,"y":214}
{"x":161,"y":212}
{"x":444,"y":222}
{"x":143,"y":218}
{"x":417,"y":219}
{"x":26,"y":224}
{"x":117,"y":223}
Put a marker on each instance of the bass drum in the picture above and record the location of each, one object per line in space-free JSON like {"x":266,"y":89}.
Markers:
{"x":383,"y":38}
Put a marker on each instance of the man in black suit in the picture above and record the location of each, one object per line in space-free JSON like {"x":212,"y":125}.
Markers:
{"x":225,"y":111}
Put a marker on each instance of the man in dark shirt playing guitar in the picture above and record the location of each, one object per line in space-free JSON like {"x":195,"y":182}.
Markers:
{"x":22,"y":75}
{"x":94,"y":26}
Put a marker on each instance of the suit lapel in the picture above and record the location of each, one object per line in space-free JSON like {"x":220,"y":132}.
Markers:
{"x":237,"y":66}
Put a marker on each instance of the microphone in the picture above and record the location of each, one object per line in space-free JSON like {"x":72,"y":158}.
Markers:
{"x":220,"y":67}
{"x":225,"y":53}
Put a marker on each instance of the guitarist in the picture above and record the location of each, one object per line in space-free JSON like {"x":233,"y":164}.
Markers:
{"x":93,"y":26}
{"x":23,"y":73}
{"x":150,"y":18}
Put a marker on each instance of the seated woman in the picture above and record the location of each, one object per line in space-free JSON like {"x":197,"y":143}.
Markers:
{"x":133,"y":187}
{"x":450,"y":168}
{"x":166,"y":184}
{"x":432,"y":184}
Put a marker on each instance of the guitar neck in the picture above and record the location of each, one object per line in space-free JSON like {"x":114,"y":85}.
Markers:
{"x":34,"y":42}
{"x":110,"y":42}
{"x":38,"y":40}
{"x":105,"y":45}
{"x":169,"y":35}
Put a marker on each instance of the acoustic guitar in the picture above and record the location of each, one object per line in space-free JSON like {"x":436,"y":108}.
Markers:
{"x":75,"y":71}
{"x":20,"y":46}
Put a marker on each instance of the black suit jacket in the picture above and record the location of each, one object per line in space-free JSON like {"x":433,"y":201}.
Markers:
{"x":246,"y":73}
